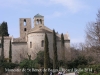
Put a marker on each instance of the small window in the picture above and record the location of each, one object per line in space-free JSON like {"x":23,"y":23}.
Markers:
{"x":42,"y":43}
{"x":30,"y":44}
{"x":24,"y":22}
{"x":25,"y":29}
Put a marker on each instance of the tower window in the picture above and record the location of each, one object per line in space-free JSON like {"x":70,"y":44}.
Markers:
{"x":42,"y":43}
{"x":24,"y":22}
{"x":25,"y":29}
{"x":30,"y":44}
{"x":40,"y":21}
{"x":37,"y":21}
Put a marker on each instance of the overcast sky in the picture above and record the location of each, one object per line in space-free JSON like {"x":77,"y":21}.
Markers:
{"x":64,"y":16}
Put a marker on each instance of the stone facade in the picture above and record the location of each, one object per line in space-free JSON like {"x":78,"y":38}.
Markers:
{"x":31,"y":40}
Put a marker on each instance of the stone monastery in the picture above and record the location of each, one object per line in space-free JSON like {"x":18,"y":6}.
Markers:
{"x":31,"y":40}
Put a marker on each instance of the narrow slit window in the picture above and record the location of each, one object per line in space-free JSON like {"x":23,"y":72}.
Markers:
{"x":30,"y":44}
{"x":25,"y":29}
{"x":42,"y":43}
{"x":24,"y":22}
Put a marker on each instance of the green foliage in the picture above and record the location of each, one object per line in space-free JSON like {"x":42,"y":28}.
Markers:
{"x":28,"y":64}
{"x":10,"y":52}
{"x":88,"y":73}
{"x":95,"y":68}
{"x":85,"y":73}
{"x":4,"y":29}
{"x":82,"y":66}
{"x":2,"y":49}
{"x":40,"y":58}
{"x":80,"y":61}
{"x":62,"y":63}
{"x":8,"y":65}
{"x":55,"y":59}
{"x":46,"y":54}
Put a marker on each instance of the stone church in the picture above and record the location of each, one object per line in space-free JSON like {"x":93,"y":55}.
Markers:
{"x":31,"y":40}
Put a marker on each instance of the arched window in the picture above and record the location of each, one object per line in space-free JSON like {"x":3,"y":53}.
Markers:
{"x":40,"y":21}
{"x":42,"y":43}
{"x":37,"y":22}
{"x":24,"y":22}
{"x":30,"y":44}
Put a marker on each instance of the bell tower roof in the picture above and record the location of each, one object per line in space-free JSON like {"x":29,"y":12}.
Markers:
{"x":38,"y":15}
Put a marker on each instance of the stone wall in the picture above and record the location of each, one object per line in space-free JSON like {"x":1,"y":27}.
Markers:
{"x":18,"y":48}
{"x":36,"y":39}
{"x":67,"y":50}
{"x":6,"y":46}
{"x":19,"y":51}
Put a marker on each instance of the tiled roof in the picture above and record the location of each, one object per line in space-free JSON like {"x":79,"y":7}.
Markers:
{"x":38,"y":15}
{"x":18,"y":40}
{"x":40,"y":28}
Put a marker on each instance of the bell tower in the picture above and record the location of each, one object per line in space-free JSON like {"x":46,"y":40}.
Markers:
{"x":38,"y":20}
{"x":25,"y":26}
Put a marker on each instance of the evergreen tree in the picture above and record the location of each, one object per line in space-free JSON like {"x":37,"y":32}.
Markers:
{"x":2,"y":48}
{"x":62,"y":47}
{"x":10,"y":52}
{"x":4,"y":29}
{"x":46,"y":55}
{"x":55,"y":59}
{"x":62,"y":39}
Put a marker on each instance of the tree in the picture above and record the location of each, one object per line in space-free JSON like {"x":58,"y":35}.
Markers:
{"x":93,"y":36}
{"x":2,"y":48}
{"x":55,"y":59}
{"x":10,"y":52}
{"x":62,"y":47}
{"x":40,"y":58}
{"x":4,"y":29}
{"x":78,"y":62}
{"x":29,"y":64}
{"x":46,"y":55}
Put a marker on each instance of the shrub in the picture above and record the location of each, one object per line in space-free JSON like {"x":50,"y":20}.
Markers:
{"x":85,"y":73}
{"x":80,"y":62}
